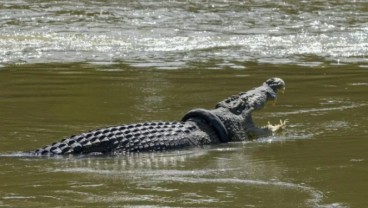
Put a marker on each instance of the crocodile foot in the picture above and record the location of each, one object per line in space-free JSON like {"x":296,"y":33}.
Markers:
{"x":278,"y":127}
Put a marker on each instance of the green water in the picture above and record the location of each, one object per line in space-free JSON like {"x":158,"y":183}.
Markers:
{"x":70,"y":66}
{"x":319,"y":161}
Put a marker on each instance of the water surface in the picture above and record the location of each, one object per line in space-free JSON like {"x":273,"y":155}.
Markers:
{"x":316,"y":162}
{"x":68,"y":67}
{"x":182,"y":34}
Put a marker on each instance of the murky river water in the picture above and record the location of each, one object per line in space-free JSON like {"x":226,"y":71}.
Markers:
{"x":67,"y":67}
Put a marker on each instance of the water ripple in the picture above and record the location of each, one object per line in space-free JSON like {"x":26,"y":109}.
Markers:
{"x":177,"y":34}
{"x":314,"y":110}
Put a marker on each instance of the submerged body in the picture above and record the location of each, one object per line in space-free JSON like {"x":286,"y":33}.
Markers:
{"x":231,"y":120}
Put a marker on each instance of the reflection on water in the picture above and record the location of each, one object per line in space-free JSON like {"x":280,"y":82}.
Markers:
{"x":157,"y":176}
{"x":129,"y":163}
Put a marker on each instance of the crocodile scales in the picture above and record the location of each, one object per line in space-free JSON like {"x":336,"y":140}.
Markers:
{"x":231,"y":120}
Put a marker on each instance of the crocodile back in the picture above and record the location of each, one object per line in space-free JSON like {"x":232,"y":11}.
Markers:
{"x":140,"y":137}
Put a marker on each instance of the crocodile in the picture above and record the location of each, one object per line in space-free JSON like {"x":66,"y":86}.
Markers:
{"x":230,"y":120}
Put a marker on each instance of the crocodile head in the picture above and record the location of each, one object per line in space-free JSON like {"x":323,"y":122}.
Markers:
{"x":276,"y":84}
{"x":236,"y":111}
{"x":254,"y":99}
